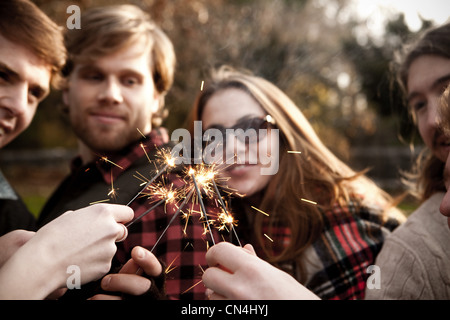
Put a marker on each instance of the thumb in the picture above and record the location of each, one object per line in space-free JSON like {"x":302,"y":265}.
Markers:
{"x":249,"y":248}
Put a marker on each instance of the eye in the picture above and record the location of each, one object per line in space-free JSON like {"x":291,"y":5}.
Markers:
{"x":417,"y":103}
{"x":92,"y":76}
{"x":130,"y":81}
{"x":36,"y":93}
{"x":4,"y":76}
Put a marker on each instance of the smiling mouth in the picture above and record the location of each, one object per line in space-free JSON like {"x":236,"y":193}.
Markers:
{"x":106,"y":118}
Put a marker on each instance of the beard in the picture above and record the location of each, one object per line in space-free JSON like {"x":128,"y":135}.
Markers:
{"x":103,"y":139}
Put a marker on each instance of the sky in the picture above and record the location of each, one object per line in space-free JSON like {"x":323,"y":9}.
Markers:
{"x":375,"y":11}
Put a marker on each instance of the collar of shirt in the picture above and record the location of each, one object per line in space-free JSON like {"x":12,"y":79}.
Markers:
{"x":111,"y":166}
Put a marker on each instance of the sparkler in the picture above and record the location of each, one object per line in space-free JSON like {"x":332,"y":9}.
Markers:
{"x":145,"y":213}
{"x":224,"y":207}
{"x":173,"y":218}
{"x":169,"y":162}
{"x":202,"y":206}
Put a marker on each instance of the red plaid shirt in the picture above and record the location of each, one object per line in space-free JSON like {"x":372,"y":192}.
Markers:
{"x":183,"y":246}
{"x":337,"y":261}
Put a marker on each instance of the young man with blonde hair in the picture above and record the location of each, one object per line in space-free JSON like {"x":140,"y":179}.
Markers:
{"x":120,"y":67}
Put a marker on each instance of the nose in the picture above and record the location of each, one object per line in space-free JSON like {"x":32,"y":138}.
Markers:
{"x":111,"y":92}
{"x":433,"y":114}
{"x":445,"y":204}
{"x":236,"y":149}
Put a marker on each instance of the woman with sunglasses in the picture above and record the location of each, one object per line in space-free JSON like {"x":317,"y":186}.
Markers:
{"x":311,"y":216}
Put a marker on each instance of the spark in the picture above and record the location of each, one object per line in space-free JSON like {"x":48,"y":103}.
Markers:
{"x":173,"y":218}
{"x":268,"y":237}
{"x":162,"y":192}
{"x":99,"y":201}
{"x":169,"y":267}
{"x":163,"y":156}
{"x":204,"y":177}
{"x":298,"y":152}
{"x":202,"y":205}
{"x":107,"y":160}
{"x":201,"y":86}
{"x":226,"y":217}
{"x":196,"y":284}
{"x":260,"y":211}
{"x":309,"y":201}
{"x":146,"y":154}
{"x":192,"y":287}
{"x":112,"y":193}
{"x":141,"y":132}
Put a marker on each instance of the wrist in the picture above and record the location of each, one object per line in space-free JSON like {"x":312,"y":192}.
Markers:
{"x":31,"y":273}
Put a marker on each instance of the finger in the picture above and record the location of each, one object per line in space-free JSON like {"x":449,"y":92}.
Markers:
{"x":249,"y":248}
{"x":126,"y":283}
{"x":147,"y":261}
{"x":122,"y":234}
{"x":227,"y":255}
{"x":216,"y":296}
{"x":121,"y":213}
{"x":211,"y":295}
{"x":105,"y":297}
{"x":218,"y":280}
{"x":131,"y":267}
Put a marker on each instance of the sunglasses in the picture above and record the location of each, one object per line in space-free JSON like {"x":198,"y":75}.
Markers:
{"x":247,"y":130}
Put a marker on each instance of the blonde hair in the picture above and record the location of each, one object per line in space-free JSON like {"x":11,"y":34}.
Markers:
{"x":106,"y":30}
{"x":315,"y":175}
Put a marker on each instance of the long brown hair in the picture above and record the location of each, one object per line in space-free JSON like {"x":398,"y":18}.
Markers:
{"x":317,"y":174}
{"x":22,"y":22}
{"x":426,"y":176}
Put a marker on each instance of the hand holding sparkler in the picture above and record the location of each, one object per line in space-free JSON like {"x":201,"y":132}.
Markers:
{"x":238,"y":274}
{"x":142,"y":276}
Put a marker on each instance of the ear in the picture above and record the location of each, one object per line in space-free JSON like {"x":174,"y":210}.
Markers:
{"x":156,"y":101}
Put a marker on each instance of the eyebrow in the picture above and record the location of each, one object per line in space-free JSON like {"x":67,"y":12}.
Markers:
{"x":93,"y":67}
{"x":241,"y":119}
{"x":436,"y":83}
{"x":13,"y":77}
